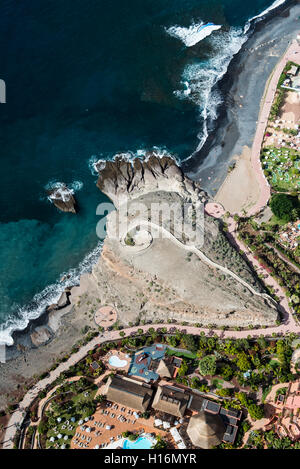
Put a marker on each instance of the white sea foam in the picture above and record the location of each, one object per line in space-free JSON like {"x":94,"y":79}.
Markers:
{"x":49,"y":295}
{"x":96,"y":165}
{"x":261,"y":15}
{"x":194,"y":34}
{"x":76,"y":186}
{"x":199,"y":79}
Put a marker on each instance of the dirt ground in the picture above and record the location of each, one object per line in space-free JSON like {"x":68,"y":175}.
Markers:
{"x":240,"y":189}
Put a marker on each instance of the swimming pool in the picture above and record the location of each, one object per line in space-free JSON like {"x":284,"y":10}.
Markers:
{"x":117,"y":362}
{"x":140,"y":443}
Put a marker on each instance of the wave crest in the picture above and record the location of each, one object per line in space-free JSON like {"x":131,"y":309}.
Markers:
{"x":46,"y":297}
{"x":194,"y":34}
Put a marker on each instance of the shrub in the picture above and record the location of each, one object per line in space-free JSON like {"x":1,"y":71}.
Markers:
{"x":207,"y":366}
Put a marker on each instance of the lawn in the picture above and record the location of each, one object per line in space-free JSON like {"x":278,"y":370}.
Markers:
{"x":66,"y":426}
{"x":281,"y":167}
{"x":180,"y":354}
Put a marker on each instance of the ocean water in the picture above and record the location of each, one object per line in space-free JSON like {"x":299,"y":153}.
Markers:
{"x":86,"y":79}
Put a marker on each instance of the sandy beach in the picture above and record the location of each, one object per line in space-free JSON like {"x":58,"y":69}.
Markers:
{"x":240,"y":190}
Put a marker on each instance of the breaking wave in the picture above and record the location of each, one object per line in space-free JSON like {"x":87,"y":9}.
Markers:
{"x":199,"y":79}
{"x":194,"y":34}
{"x":50,"y":295}
{"x":62,"y":190}
{"x":97,"y":164}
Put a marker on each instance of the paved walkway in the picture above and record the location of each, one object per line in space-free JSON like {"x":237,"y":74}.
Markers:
{"x":166,"y":234}
{"x":292,"y":54}
{"x":260,"y":424}
{"x":17,"y":417}
{"x":289,"y":324}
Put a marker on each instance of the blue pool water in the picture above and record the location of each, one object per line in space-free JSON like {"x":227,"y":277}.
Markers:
{"x":116,"y":362}
{"x":140,"y":443}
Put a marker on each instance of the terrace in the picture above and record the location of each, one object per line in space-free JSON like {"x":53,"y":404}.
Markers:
{"x":108,"y":424}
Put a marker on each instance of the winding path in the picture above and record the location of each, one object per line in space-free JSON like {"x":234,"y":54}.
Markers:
{"x":18,"y":416}
{"x":200,"y":254}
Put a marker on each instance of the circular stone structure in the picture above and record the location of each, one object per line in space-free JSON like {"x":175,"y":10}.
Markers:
{"x":105,"y":316}
{"x":214,"y":209}
{"x":137,"y":239}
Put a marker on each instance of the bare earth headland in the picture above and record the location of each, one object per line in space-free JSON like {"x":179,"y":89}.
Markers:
{"x":215,"y":274}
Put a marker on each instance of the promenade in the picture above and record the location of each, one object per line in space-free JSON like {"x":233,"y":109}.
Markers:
{"x":292,"y":54}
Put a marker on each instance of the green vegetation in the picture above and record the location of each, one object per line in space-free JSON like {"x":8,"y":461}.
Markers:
{"x":72,"y":400}
{"x":259,"y":438}
{"x":129,"y":241}
{"x":263,"y":242}
{"x":207,"y":366}
{"x":160,"y":443}
{"x":282,"y":205}
{"x":281,"y":167}
{"x":277,"y":103}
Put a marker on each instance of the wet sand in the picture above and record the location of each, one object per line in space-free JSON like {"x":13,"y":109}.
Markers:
{"x":243,"y":87}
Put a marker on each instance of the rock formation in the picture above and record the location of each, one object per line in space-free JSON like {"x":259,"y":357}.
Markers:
{"x":41,"y":335}
{"x":121,"y":180}
{"x":63,"y":198}
{"x":162,"y":280}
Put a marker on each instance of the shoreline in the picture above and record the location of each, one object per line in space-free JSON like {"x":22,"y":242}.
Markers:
{"x":222,"y":125}
{"x":69,"y":331}
{"x":235,"y":127}
{"x":244,"y":186}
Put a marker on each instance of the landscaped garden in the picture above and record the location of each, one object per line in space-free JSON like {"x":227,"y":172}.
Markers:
{"x":72,"y":402}
{"x":264,"y":240}
{"x":282,"y":168}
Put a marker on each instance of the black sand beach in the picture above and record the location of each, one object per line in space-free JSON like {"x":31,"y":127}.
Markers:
{"x":243,"y":88}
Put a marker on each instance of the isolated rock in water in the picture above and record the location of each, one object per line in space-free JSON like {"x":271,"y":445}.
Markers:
{"x":63,"y":198}
{"x":190,"y":287}
{"x":41,"y":335}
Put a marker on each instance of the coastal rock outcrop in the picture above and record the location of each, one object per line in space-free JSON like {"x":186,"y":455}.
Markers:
{"x":41,"y":335}
{"x":121,"y":180}
{"x":179,"y":276}
{"x":63,"y":198}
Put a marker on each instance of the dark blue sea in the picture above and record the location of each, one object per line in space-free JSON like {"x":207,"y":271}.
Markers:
{"x":86,"y":79}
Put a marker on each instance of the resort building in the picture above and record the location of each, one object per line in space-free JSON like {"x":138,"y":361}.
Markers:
{"x":128,"y":392}
{"x":206,"y":430}
{"x":288,"y":422}
{"x":167,"y":367}
{"x":171,"y":400}
{"x":230,"y":417}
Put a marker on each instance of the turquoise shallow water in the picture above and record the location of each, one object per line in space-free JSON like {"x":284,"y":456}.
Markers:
{"x":140,"y":443}
{"x":86,"y":79}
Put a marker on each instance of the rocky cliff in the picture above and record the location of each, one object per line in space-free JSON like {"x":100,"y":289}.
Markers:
{"x":121,"y":180}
